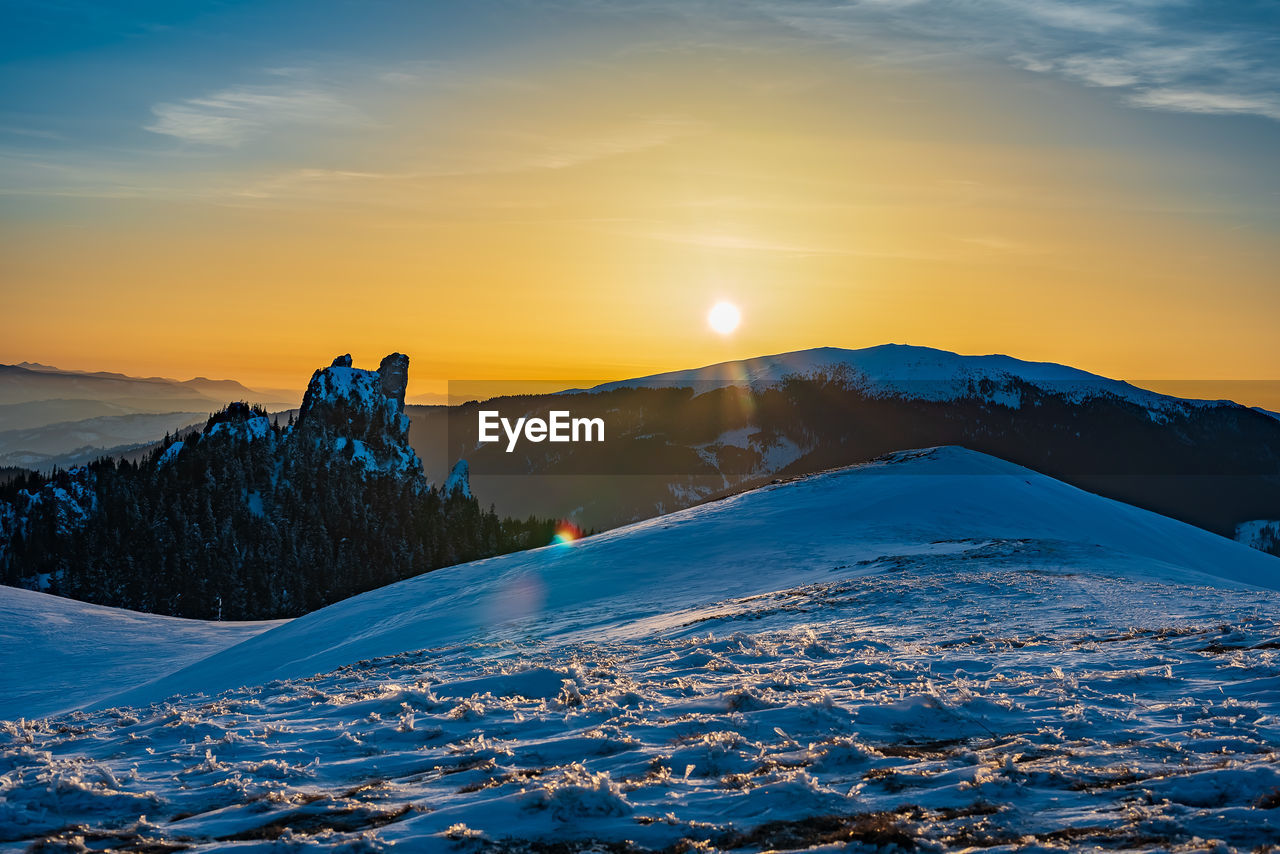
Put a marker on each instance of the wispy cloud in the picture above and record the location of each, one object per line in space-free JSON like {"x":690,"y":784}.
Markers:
{"x":1177,"y":55}
{"x":232,"y":116}
{"x":493,"y":151}
{"x":1192,"y":101}
{"x":32,"y":133}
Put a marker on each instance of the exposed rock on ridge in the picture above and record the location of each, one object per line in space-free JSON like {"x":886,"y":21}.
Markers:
{"x":363,"y":411}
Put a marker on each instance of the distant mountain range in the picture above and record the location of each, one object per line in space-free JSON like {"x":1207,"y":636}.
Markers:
{"x":55,"y":418}
{"x":679,"y":438}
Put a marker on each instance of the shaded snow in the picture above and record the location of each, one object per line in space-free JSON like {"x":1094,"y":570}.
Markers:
{"x":57,"y":654}
{"x":357,"y":389}
{"x":170,"y":453}
{"x":72,"y":496}
{"x":397,"y":459}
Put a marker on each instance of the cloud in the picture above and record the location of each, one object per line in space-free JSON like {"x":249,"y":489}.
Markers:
{"x":485,"y":151}
{"x":33,"y":133}
{"x":1192,"y":101}
{"x":1177,"y":55}
{"x":232,"y":116}
{"x":1101,"y":18}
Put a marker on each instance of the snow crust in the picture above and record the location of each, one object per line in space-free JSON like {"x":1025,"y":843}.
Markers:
{"x":940,"y":650}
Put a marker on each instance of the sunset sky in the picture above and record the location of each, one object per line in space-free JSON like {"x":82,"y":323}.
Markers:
{"x":562,"y":190}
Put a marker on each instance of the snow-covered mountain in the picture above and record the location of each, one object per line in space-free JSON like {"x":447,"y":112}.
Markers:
{"x":910,"y":371}
{"x":363,"y":411}
{"x":679,"y":438}
{"x":249,"y":517}
{"x":936,"y":650}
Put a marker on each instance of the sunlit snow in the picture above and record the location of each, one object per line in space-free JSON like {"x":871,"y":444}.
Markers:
{"x":941,"y":650}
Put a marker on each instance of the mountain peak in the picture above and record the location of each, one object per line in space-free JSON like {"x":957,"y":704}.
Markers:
{"x":364,"y":408}
{"x":911,"y":371}
{"x":357,"y":389}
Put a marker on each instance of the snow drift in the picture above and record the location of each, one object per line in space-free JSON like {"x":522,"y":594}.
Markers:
{"x":58,"y":654}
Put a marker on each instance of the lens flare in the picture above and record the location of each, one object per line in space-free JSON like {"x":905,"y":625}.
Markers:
{"x":566,"y":533}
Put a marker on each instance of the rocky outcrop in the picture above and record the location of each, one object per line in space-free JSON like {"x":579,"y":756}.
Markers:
{"x":363,"y":412}
{"x":394,"y":374}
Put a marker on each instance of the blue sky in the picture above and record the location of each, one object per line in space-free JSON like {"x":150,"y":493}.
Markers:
{"x":109,"y":84}
{"x":91,"y":71}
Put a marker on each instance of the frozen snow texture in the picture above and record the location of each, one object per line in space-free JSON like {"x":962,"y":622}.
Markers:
{"x":979,"y":698}
{"x":941,"y":648}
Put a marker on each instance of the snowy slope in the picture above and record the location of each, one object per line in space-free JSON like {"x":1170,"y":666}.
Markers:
{"x":944,"y":502}
{"x":920,"y":372}
{"x":58,"y":654}
{"x":939,"y":652}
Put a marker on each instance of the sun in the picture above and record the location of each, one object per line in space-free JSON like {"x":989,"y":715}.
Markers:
{"x":724,"y":317}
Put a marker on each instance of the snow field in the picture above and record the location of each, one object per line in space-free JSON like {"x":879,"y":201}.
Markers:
{"x":987,"y":700}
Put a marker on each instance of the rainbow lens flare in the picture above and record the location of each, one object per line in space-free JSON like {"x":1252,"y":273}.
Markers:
{"x":566,"y":533}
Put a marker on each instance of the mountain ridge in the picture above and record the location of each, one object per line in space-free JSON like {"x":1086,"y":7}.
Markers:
{"x":939,"y":502}
{"x":910,"y":369}
{"x":251,"y":518}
